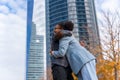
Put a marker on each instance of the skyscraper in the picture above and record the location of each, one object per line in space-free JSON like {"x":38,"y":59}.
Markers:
{"x":35,"y":49}
{"x":80,"y":12}
{"x":35,"y":63}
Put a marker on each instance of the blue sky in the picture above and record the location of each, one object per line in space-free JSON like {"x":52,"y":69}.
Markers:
{"x":13,"y":35}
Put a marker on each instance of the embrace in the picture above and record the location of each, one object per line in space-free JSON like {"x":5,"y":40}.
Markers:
{"x":68,"y":56}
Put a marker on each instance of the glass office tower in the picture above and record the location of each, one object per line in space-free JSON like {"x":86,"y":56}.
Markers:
{"x":35,"y":57}
{"x":35,"y":49}
{"x":80,"y":12}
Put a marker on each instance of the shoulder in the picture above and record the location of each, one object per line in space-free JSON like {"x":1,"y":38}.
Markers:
{"x":67,"y":38}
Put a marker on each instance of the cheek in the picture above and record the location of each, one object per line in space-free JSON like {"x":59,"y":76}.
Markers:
{"x":57,"y":30}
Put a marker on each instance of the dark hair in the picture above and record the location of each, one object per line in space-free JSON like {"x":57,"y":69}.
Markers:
{"x":61,"y":24}
{"x":66,"y":25}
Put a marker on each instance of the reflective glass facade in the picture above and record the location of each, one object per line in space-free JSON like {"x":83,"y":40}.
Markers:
{"x":87,"y":22}
{"x":36,"y":57}
{"x":35,"y":48}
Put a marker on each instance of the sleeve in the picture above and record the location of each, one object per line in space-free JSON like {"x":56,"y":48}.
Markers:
{"x":63,"y":46}
{"x":52,"y":43}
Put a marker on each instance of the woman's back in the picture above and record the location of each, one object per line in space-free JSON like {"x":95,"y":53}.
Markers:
{"x":76,"y":54}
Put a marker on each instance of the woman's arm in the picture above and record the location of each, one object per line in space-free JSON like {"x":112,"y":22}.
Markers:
{"x":63,"y":46}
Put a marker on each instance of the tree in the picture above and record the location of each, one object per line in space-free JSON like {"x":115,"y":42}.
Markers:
{"x":108,"y":65}
{"x":110,"y":42}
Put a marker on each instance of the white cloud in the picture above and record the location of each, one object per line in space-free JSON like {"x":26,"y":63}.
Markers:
{"x":12,"y":42}
{"x":4,"y":9}
{"x":12,"y":39}
{"x":10,"y":72}
{"x":106,"y":5}
{"x":22,"y":13}
{"x":20,"y":3}
{"x":111,"y":5}
{"x":14,"y":5}
{"x":3,"y":1}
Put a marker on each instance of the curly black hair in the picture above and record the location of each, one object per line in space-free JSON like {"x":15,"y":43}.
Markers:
{"x":67,"y":25}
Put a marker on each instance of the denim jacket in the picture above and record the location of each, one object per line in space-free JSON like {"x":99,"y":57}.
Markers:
{"x":77,"y":55}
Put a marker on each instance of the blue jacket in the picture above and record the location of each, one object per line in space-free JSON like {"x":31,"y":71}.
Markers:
{"x":77,"y":55}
